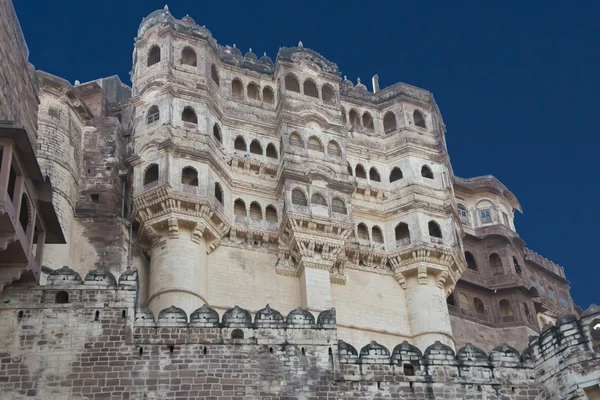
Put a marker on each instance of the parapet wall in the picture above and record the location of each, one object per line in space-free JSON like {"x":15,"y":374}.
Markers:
{"x":97,"y":346}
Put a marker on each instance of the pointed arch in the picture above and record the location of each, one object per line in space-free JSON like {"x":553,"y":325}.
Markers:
{"x":253,"y":91}
{"x":314,"y":144}
{"x":374,"y":175}
{"x":479,"y":306}
{"x":151,"y":174}
{"x":189,"y":115}
{"x":310,"y":88}
{"x":299,"y":198}
{"x":255,"y":211}
{"x":419,"y":119}
{"x":188,"y":56}
{"x":506,"y":309}
{"x":296,"y":140}
{"x":239,"y":207}
{"x":362,"y":232}
{"x":434,"y":229}
{"x":271,"y":151}
{"x":360,"y":171}
{"x":368,"y":120}
{"x":237,"y":89}
{"x":333,"y":149}
{"x":217,"y":133}
{"x":354,"y":118}
{"x":338,"y":206}
{"x":471,"y":264}
{"x":495,"y":262}
{"x":377,"y":234}
{"x":389,"y":122}
{"x":426,"y":172}
{"x":255,"y":147}
{"x":271,"y":213}
{"x":291,"y":83}
{"x":214,"y":74}
{"x":189,"y":176}
{"x":402,"y":233}
{"x":152,"y":115}
{"x":317,"y":199}
{"x":396,"y":174}
{"x":268,"y":95}
{"x":240,"y":144}
{"x":328,"y":93}
{"x":153,"y":56}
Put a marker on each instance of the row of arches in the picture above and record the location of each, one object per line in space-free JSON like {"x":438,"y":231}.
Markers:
{"x":299,"y":198}
{"x":310,"y":88}
{"x":187,"y":115}
{"x":401,"y":232}
{"x":494,"y":262}
{"x":188,"y":56}
{"x":505,"y":307}
{"x":255,"y":147}
{"x":255,"y":211}
{"x":252,"y":91}
{"x":315,"y":144}
{"x":396,"y":174}
{"x":389,"y":120}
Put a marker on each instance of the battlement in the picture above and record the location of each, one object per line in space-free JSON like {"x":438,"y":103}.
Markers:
{"x":543,"y":262}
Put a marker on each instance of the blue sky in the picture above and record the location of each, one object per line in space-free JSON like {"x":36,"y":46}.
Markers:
{"x":515,"y":82}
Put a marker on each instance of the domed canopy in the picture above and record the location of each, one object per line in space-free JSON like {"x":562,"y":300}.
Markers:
{"x":251,"y":55}
{"x":265,"y":59}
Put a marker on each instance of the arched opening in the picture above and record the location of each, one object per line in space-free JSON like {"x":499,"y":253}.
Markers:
{"x":255,"y":211}
{"x":271,"y":214}
{"x":486,"y":211}
{"x":218,"y":192}
{"x":471,"y":264}
{"x":338,"y":206}
{"x":24,"y":212}
{"x":239,"y":207}
{"x":362,"y":231}
{"x":479,"y":307}
{"x":333,"y":149}
{"x":533,"y":292}
{"x":426,"y":172}
{"x":153,"y":115}
{"x":268,"y":95}
{"x":291,"y":83}
{"x":517,"y":266}
{"x":396,"y":174}
{"x":495,"y":263}
{"x":463,"y":302}
{"x":314,"y":144}
{"x":462,"y":214}
{"x":527,"y":313}
{"x":360,"y":171}
{"x":450,"y":300}
{"x":151,"y":174}
{"x":389,"y":121}
{"x":377,"y":235}
{"x":402,"y":233}
{"x":328,"y":94}
{"x":374,"y":175}
{"x":239,"y":144}
{"x":310,"y":89}
{"x":350,"y":171}
{"x":418,"y":118}
{"x":61,"y":297}
{"x":217,"y":133}
{"x":189,"y":176}
{"x":214,"y":75}
{"x":255,"y":147}
{"x":271,"y":151}
{"x":188,"y":56}
{"x":368,"y":121}
{"x":505,"y":308}
{"x":253,"y":91}
{"x":296,"y":140}
{"x":237,"y":334}
{"x":299,"y":198}
{"x":354,"y":118}
{"x":434,"y":229}
{"x":237,"y":89}
{"x":153,"y":55}
{"x":319,"y":200}
{"x":189,"y":115}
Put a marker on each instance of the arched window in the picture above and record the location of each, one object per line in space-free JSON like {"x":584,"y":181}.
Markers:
{"x":237,"y":89}
{"x":296,"y":140}
{"x":268,"y":95}
{"x":495,"y":263}
{"x":310,"y":89}
{"x":189,"y":176}
{"x":240,"y":144}
{"x":189,"y":115}
{"x":255,"y":211}
{"x":478,"y":306}
{"x":61,"y":297}
{"x":374,"y":175}
{"x":389,"y":121}
{"x":463,"y":302}
{"x":396,"y":174}
{"x":214,"y":74}
{"x":253,"y":91}
{"x":360,"y":171}
{"x":271,"y":151}
{"x":154,"y":55}
{"x":153,"y":115}
{"x":218,"y":192}
{"x":354,"y":118}
{"x":151,"y":174}
{"x":462,"y":214}
{"x":471,"y":264}
{"x":402,"y":233}
{"x":505,"y":308}
{"x":271,"y":214}
{"x":217,"y":133}
{"x":338,"y":206}
{"x":426,"y":172}
{"x":237,"y":334}
{"x":434,"y":229}
{"x":350,"y":171}
{"x":368,"y":121}
{"x":319,"y":200}
{"x":291,"y":83}
{"x":377,"y":235}
{"x":314,"y":144}
{"x":362,"y":231}
{"x":485,"y":209}
{"x":418,"y":118}
{"x":188,"y":56}
{"x":24,"y":212}
{"x":333,"y":149}
{"x":255,"y":147}
{"x":239,"y":207}
{"x":299,"y":198}
{"x":328,"y":94}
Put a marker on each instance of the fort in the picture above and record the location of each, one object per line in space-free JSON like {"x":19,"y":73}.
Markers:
{"x":232,"y":227}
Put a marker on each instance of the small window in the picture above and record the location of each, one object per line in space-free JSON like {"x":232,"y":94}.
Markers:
{"x":237,"y":334}
{"x":434,"y":229}
{"x":189,"y":115}
{"x":314,"y":144}
{"x":255,"y":147}
{"x":154,"y":55}
{"x":218,"y":192}
{"x":471,"y":264}
{"x":296,"y":140}
{"x":495,"y":262}
{"x":61,"y":297}
{"x":338,"y":206}
{"x":333,"y":149}
{"x":151,"y":174}
{"x":95,"y":197}
{"x":291,"y":83}
{"x":426,"y":172}
{"x":237,"y":89}
{"x":217,"y":133}
{"x":188,"y":56}
{"x":299,"y":198}
{"x":479,"y":307}
{"x":419,"y":120}
{"x":214,"y":74}
{"x":239,"y":207}
{"x":389,"y":122}
{"x":374,"y":175}
{"x":189,"y":176}
{"x":268,"y":95}
{"x":319,"y":200}
{"x":153,"y":115}
{"x":517,"y":266}
{"x":402,"y":232}
{"x":396,"y":175}
{"x":368,"y":121}
{"x":255,"y":211}
{"x":360,"y":172}
{"x":328,"y":94}
{"x":240,"y":144}
{"x":310,"y":89}
{"x":271,"y":151}
{"x":505,"y":308}
{"x":271,"y":214}
{"x":486,"y":216}
{"x":24,"y":212}
{"x":377,"y":235}
{"x":253,"y":92}
{"x":354,"y":118}
{"x":362,"y":232}
{"x":409,"y":369}
{"x":462,"y":214}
